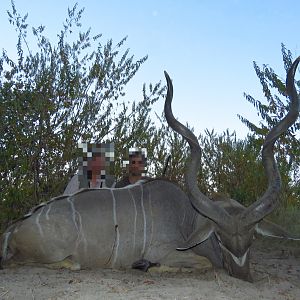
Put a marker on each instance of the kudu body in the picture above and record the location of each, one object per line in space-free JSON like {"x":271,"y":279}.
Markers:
{"x":107,"y":228}
{"x":231,"y":223}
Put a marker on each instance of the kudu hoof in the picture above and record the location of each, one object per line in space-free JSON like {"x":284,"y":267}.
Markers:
{"x":144,"y":265}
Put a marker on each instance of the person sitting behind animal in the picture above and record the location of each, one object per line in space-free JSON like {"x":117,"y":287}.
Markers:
{"x":136,"y":167}
{"x":95,"y":160}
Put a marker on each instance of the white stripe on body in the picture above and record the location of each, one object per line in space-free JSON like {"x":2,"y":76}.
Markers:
{"x":145,"y":221}
{"x":135,"y":217}
{"x":48,"y":210}
{"x":78,"y":225}
{"x":37,"y":222}
{"x":117,"y":240}
{"x":5,"y":245}
{"x":151,"y":217}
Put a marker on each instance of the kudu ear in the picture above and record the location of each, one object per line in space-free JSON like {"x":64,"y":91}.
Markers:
{"x":267,"y":228}
{"x":198,"y":236}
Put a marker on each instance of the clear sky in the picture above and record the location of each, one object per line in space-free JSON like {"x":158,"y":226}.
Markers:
{"x":207,"y":47}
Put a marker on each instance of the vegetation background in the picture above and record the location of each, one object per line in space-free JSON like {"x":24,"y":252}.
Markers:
{"x":57,"y":94}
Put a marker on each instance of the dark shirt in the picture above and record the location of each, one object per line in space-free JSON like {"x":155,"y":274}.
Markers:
{"x":125,"y":181}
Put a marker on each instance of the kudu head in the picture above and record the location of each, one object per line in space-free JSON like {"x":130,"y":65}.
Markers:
{"x":234,"y":226}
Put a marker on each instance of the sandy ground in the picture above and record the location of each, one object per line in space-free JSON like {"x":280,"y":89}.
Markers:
{"x":275,"y":268}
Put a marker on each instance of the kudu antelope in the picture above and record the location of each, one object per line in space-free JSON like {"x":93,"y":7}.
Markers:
{"x":230,"y":222}
{"x":147,"y":222}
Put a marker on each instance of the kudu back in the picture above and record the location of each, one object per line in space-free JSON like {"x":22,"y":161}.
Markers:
{"x":232,"y":224}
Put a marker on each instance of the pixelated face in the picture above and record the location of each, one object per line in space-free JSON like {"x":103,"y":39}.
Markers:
{"x":96,"y":157}
{"x":96,"y":163}
{"x":136,"y":165}
{"x":137,"y":161}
